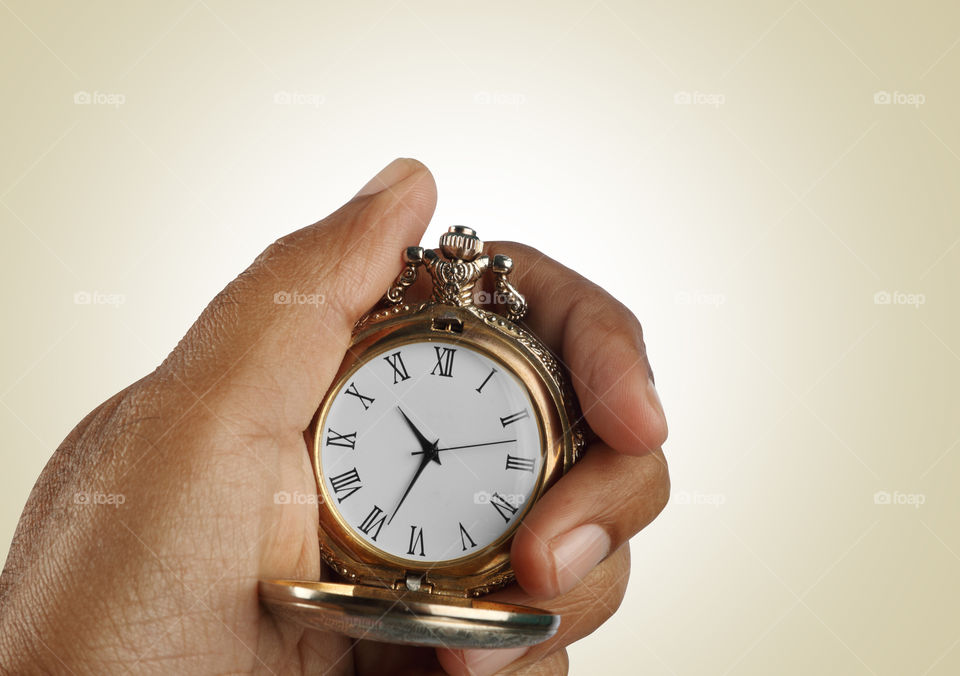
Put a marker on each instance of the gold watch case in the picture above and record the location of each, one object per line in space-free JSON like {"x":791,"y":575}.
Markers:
{"x":386,"y":598}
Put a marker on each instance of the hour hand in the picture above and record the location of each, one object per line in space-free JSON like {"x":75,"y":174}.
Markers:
{"x":426,"y":446}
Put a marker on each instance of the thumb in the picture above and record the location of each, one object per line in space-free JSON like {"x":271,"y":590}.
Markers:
{"x":266,"y":348}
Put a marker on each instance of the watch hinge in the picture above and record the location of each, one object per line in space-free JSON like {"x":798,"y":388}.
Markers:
{"x":447,"y":324}
{"x":415,"y":582}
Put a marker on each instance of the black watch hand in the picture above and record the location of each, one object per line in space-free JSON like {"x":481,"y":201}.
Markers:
{"x":430,"y":454}
{"x":457,"y":448}
{"x":425,"y":444}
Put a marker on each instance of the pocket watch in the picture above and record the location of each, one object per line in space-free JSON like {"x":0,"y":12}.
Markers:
{"x":445,"y":424}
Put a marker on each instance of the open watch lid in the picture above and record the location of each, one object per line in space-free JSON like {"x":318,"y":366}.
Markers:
{"x":408,"y":617}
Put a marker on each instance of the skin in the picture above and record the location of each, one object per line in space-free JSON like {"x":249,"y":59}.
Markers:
{"x":166,"y":581}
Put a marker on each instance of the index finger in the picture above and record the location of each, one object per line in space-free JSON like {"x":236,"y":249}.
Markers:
{"x":599,"y":341}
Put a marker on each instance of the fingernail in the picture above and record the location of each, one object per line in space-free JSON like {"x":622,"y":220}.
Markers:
{"x":390,"y":175}
{"x":654,"y":399}
{"x":486,"y":662}
{"x":576,"y":553}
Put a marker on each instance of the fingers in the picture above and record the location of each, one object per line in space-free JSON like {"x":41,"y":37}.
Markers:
{"x":601,"y":343}
{"x":275,"y":336}
{"x":601,"y":503}
{"x":582,"y":610}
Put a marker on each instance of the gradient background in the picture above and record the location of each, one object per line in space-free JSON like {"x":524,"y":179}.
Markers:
{"x":721,"y":167}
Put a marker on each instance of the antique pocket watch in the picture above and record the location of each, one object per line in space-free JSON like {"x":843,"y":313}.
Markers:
{"x":444,"y":425}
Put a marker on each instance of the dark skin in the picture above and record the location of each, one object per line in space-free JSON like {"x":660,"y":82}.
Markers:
{"x":166,"y":581}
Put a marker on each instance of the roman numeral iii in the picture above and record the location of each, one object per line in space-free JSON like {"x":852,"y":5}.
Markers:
{"x":354,"y":392}
{"x":399,"y":368}
{"x":375,"y":520}
{"x":522,"y":464}
{"x":348,"y":440}
{"x":347,"y":483}
{"x":444,"y":361}
{"x":416,"y":541}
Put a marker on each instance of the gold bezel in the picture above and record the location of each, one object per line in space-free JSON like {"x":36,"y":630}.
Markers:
{"x":350,"y":555}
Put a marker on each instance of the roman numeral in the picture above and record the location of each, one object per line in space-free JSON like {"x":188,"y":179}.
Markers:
{"x":354,"y":392}
{"x":489,"y":376}
{"x":375,"y":519}
{"x":444,"y":361}
{"x":399,"y":369}
{"x":416,"y":540}
{"x":514,"y":417}
{"x":344,"y":483}
{"x":465,"y":534}
{"x":522,"y":464}
{"x":505,"y":509}
{"x":334,"y":438}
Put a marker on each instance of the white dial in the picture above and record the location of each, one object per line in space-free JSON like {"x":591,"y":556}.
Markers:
{"x":430,"y":451}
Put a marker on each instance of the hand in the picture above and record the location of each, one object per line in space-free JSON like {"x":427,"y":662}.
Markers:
{"x":457,"y":448}
{"x":201,"y":449}
{"x":429,"y":450}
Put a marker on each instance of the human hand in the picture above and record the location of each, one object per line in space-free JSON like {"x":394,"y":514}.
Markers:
{"x":166,"y":582}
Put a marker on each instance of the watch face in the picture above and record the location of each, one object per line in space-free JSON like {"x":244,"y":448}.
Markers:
{"x":430,"y":451}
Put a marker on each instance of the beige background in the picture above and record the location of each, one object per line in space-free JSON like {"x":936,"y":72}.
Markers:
{"x":749,"y":229}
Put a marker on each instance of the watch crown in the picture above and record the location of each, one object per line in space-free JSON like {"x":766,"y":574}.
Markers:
{"x":461,"y":242}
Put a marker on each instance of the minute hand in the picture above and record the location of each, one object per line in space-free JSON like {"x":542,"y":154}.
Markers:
{"x":457,"y":448}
